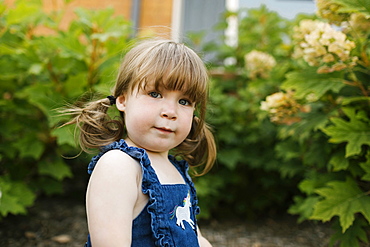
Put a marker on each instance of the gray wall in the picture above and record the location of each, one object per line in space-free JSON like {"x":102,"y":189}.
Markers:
{"x":286,"y":8}
{"x":202,"y":15}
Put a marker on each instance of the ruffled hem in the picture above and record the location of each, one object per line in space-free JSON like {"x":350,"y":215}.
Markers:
{"x":151,"y":187}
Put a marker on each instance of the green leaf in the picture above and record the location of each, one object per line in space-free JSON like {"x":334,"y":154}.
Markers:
{"x":55,"y":168}
{"x":76,"y":84}
{"x":308,"y":81}
{"x":45,"y":98}
{"x":303,"y":207}
{"x":353,"y":6}
{"x":230,"y":157}
{"x":349,"y":100}
{"x":352,"y":235}
{"x":24,"y":194}
{"x":49,"y":186}
{"x":103,"y":88}
{"x":309,"y":185}
{"x":339,"y":162}
{"x":35,"y":69}
{"x":29,"y":146}
{"x":316,"y":153}
{"x":6,"y":49}
{"x":354,"y":132}
{"x":23,"y":12}
{"x":203,"y":188}
{"x":15,"y":196}
{"x":302,"y":130}
{"x":65,"y":135}
{"x":366,"y":167}
{"x":343,"y":199}
{"x":71,"y":47}
{"x":287,"y":150}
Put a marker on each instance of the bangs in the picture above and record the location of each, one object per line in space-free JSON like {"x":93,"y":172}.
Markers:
{"x":174,"y":67}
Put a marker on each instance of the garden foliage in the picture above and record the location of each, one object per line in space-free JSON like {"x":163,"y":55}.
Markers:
{"x":293,"y":111}
{"x":290,"y":112}
{"x":38,"y":74}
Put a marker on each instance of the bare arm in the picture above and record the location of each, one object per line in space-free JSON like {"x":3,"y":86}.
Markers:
{"x":202,"y":241}
{"x":110,"y":200}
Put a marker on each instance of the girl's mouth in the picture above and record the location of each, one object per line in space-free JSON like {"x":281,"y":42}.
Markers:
{"x":164,"y":130}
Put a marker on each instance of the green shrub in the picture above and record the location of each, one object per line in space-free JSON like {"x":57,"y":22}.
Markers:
{"x":307,"y":120}
{"x":38,"y":74}
{"x":249,"y":179}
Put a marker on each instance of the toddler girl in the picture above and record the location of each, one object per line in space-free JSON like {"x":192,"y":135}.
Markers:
{"x":138,"y":194}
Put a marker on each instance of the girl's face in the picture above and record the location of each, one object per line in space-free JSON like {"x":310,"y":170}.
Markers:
{"x":156,"y":120}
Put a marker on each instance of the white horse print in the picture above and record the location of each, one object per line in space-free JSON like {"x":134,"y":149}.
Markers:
{"x":183,"y":213}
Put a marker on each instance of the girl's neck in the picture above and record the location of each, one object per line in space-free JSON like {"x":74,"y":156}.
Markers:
{"x":151,"y":154}
{"x":166,"y":172}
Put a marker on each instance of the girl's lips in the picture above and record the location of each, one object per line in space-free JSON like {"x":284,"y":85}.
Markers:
{"x":162,"y":129}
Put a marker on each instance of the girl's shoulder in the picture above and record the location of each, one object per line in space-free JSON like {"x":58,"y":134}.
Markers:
{"x":116,"y":163}
{"x":119,"y":151}
{"x":116,"y":156}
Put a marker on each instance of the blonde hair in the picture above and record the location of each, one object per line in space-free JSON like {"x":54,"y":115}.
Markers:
{"x":170,"y":65}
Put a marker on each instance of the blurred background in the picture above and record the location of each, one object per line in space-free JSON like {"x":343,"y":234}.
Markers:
{"x":289,"y":107}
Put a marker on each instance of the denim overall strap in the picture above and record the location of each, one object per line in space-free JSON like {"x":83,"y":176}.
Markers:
{"x":183,"y":168}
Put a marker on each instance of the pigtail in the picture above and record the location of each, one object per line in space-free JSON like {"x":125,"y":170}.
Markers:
{"x":206,"y":150}
{"x":199,"y":149}
{"x":96,"y":128}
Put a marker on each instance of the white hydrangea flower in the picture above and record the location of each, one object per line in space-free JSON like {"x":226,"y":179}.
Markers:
{"x":259,"y":64}
{"x":322,"y":45}
{"x":276,"y":100}
{"x":282,"y":108}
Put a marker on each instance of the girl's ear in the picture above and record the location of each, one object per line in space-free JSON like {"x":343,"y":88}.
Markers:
{"x":121,"y":103}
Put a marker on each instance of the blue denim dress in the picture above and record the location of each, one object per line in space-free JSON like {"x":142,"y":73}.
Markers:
{"x":169,"y":217}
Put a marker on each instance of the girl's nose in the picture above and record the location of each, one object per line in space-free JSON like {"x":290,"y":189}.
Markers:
{"x":169,"y":111}
{"x":169,"y":116}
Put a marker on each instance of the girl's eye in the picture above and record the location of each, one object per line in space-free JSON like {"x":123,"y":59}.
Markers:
{"x":184,"y":102}
{"x":155,"y":94}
